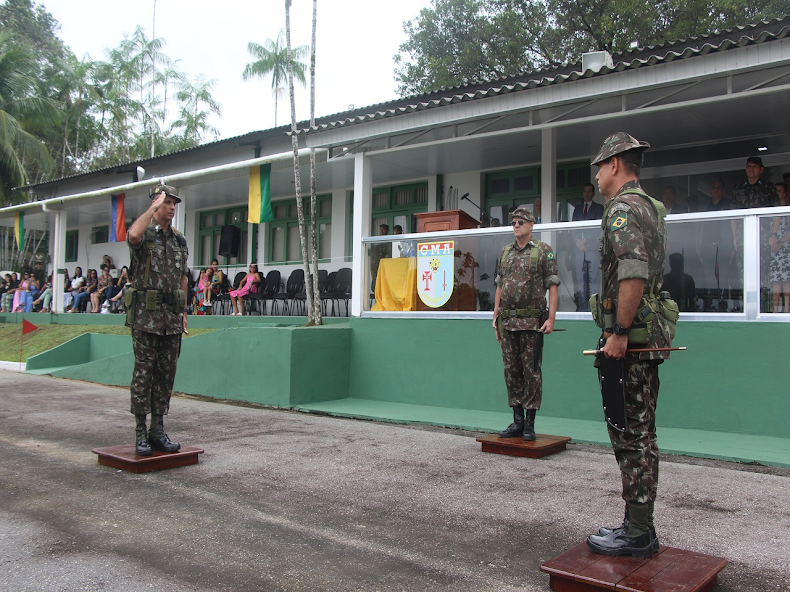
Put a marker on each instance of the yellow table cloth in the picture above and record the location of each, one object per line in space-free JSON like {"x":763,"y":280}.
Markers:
{"x":396,"y":284}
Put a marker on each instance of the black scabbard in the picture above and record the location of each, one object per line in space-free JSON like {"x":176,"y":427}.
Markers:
{"x":613,"y":392}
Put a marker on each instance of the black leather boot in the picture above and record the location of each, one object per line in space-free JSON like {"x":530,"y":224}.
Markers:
{"x":619,"y":543}
{"x":622,"y":528}
{"x":635,"y":538}
{"x":157,"y":437}
{"x":515,"y":429}
{"x":529,"y":426}
{"x":141,"y":446}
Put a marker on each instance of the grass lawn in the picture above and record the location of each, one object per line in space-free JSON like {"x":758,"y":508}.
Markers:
{"x":48,"y":336}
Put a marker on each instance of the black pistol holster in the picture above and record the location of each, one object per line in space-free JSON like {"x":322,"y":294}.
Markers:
{"x":612,"y":376}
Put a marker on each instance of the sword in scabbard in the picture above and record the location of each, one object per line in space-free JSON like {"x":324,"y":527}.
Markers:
{"x":641,"y":350}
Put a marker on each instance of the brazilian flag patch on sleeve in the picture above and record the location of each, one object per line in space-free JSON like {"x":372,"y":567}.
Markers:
{"x":618,"y":222}
{"x":550,"y":255}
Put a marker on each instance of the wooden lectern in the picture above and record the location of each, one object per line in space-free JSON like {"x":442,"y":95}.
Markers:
{"x":443,"y":221}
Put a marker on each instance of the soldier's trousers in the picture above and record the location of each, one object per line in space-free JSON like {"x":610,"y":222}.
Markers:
{"x":155,"y":359}
{"x":636,"y":450}
{"x":523,"y":377}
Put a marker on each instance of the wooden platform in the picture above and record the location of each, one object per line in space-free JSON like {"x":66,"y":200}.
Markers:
{"x":124,"y":458}
{"x":669,"y":570}
{"x":542,"y":446}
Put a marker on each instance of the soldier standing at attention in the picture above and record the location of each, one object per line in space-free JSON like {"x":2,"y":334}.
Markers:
{"x":157,"y":315}
{"x":632,"y":264}
{"x":525,"y":270}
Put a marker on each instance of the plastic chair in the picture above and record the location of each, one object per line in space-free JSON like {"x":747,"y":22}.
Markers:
{"x":293,"y":286}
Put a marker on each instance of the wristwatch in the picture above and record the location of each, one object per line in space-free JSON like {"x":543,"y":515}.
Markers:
{"x":618,"y":329}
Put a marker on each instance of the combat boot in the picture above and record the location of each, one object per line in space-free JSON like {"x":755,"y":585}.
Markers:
{"x":529,"y":426}
{"x":638,"y":539}
{"x":622,"y":528}
{"x":515,"y":429}
{"x":157,"y":437}
{"x":141,"y":446}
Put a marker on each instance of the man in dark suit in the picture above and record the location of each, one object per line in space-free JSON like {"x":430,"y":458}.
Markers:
{"x":587,"y":273}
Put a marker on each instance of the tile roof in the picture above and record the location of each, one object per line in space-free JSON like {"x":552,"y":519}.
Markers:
{"x":652,"y":55}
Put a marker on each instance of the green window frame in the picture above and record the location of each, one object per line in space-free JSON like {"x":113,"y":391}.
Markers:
{"x":100,"y":235}
{"x":210,"y":231}
{"x":72,"y":245}
{"x":283,"y":241}
{"x":506,"y":189}
{"x":397,"y":204}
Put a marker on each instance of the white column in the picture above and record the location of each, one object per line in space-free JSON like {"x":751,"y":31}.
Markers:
{"x":179,"y":220}
{"x":58,"y":253}
{"x":751,"y":267}
{"x":363,"y":203}
{"x":433,"y":202}
{"x":548,"y":174}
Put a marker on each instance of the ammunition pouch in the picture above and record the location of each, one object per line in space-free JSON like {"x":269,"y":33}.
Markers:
{"x":153,"y":300}
{"x":652,"y":309}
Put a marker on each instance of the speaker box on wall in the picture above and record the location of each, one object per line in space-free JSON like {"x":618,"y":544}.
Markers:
{"x":230,"y":241}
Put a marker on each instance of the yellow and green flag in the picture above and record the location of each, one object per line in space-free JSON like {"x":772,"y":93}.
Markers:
{"x":260,"y":203}
{"x":19,"y":229}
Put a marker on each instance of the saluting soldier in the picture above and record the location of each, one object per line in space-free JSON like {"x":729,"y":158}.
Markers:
{"x":632,"y":263}
{"x":525,"y":270}
{"x":156,"y":307}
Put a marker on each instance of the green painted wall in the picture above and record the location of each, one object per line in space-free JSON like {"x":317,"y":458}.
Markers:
{"x":733,"y":378}
{"x":273,"y":365}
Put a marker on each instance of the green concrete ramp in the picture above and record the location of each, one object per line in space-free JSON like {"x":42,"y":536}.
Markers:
{"x":705,"y":444}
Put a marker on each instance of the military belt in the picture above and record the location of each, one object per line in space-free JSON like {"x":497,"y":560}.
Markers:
{"x":162,"y":296}
{"x":531,"y":313}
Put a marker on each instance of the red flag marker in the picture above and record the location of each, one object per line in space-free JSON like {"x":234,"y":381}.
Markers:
{"x":28,"y":327}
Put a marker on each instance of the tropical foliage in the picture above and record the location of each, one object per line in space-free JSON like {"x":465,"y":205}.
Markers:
{"x":458,"y":42}
{"x":61,"y":115}
{"x":272,"y":61}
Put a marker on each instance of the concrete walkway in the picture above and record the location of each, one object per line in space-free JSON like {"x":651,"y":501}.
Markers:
{"x":286,"y":501}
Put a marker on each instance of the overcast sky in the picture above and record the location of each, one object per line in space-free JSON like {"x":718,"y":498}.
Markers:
{"x":356,"y":42}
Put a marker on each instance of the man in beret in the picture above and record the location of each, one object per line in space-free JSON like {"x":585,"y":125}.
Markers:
{"x":525,"y":271}
{"x":156,"y":314}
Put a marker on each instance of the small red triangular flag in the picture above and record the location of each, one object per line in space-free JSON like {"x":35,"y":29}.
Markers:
{"x":27,"y":327}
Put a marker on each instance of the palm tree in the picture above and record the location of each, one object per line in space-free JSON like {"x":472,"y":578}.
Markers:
{"x":20,"y":107}
{"x":197,"y":104}
{"x":272,"y":60}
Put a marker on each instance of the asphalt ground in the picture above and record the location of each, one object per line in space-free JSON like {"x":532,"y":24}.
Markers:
{"x":287,"y":501}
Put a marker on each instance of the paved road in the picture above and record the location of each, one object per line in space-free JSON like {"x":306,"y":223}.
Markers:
{"x":284,"y":501}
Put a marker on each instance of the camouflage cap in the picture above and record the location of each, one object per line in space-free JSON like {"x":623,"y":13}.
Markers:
{"x":617,"y":143}
{"x":168,"y":189}
{"x":523,"y":212}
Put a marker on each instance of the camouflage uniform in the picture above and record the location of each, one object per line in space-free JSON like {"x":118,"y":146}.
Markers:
{"x":156,"y":335}
{"x":522,"y":344}
{"x":758,"y":195}
{"x":634,"y":247}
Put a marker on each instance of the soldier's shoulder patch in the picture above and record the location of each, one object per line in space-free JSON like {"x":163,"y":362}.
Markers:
{"x":550,"y":255}
{"x":621,"y":206}
{"x":618,"y":221}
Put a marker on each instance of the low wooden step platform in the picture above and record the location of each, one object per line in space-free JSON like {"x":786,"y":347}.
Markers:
{"x":542,"y":446}
{"x":669,"y":570}
{"x":123,"y":457}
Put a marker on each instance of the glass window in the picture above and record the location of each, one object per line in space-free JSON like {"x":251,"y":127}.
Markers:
{"x":284,"y":243}
{"x":72,"y":239}
{"x":100,"y":234}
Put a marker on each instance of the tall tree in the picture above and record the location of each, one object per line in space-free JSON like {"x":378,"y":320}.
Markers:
{"x":297,"y":173}
{"x":21,"y":107}
{"x":197,"y":105}
{"x":455,"y":42}
{"x":314,"y":290}
{"x":272,"y":61}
